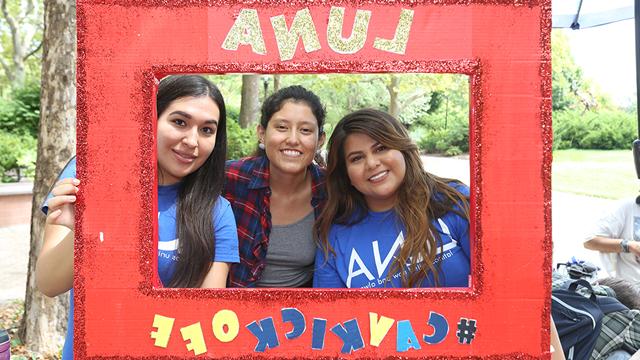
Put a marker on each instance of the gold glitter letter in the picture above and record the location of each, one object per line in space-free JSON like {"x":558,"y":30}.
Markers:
{"x":398,"y":44}
{"x":355,"y":42}
{"x":246,"y":31}
{"x":287,"y":39}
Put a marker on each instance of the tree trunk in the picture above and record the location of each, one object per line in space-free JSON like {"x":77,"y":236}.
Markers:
{"x":396,"y":105}
{"x":44,"y":321}
{"x":394,"y":102}
{"x":276,"y":82}
{"x":250,"y":103}
{"x":18,"y":74}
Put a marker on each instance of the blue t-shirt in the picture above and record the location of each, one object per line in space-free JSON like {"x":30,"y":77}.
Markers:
{"x":224,"y":224}
{"x":365,"y":251}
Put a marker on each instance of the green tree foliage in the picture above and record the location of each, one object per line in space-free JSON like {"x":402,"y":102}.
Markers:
{"x":240,"y":142}
{"x":19,"y":118}
{"x":17,"y":156}
{"x":21,"y":27}
{"x":605,"y":129}
{"x":583,"y":117}
{"x":20,"y":113}
{"x":345,"y":93}
{"x":567,"y":77}
{"x":433,"y":105}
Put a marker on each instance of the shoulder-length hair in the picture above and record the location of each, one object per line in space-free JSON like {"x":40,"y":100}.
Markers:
{"x":200,"y":189}
{"x":422,"y":197}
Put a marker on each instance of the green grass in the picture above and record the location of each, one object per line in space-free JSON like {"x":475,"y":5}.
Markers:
{"x":600,"y":173}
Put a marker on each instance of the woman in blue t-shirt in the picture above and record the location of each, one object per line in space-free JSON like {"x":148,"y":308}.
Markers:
{"x":197,"y":237}
{"x":388,"y":222}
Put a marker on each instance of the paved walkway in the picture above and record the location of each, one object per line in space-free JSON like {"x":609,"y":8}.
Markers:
{"x":14,"y":260}
{"x":571,"y":215}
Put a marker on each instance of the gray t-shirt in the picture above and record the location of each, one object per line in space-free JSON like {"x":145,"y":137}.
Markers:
{"x":290,"y":256}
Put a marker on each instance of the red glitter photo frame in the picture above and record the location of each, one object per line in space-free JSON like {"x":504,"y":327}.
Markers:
{"x":124,"y":47}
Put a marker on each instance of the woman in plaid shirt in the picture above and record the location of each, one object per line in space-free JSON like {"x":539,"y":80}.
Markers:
{"x":277,"y":194}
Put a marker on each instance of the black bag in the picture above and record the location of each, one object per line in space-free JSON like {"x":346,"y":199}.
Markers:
{"x":578,"y":319}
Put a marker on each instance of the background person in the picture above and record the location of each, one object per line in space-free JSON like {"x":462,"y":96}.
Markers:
{"x":617,"y":237}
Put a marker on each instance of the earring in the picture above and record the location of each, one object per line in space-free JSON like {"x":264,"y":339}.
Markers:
{"x":261,"y":146}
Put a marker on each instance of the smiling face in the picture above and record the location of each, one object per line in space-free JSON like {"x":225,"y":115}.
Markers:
{"x":376,"y":171}
{"x":186,"y":137}
{"x":291,"y":138}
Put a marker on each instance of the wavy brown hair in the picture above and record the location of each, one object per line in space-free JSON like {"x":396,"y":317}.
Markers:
{"x":347,"y":206}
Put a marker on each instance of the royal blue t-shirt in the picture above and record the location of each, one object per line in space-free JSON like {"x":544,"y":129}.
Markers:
{"x":225,"y":233}
{"x":365,"y":251}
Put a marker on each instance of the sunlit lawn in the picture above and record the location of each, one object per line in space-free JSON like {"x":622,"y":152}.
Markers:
{"x":600,"y":173}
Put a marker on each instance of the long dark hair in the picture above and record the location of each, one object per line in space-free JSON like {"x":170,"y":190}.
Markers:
{"x":200,"y":189}
{"x":422,"y":197}
{"x":295,"y":94}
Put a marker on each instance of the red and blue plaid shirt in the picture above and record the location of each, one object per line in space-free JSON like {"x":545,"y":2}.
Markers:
{"x":247,"y":189}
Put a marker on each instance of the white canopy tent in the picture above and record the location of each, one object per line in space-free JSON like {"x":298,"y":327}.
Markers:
{"x":581,"y":14}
